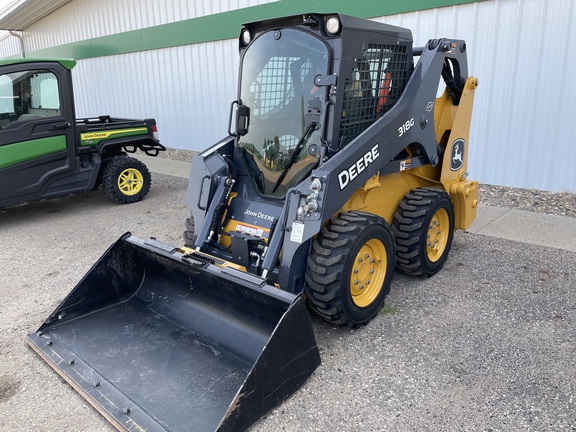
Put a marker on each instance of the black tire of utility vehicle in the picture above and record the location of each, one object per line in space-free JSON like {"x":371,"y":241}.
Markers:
{"x":126,"y":180}
{"x":350,"y":269}
{"x":189,"y":232}
{"x":424,"y":229}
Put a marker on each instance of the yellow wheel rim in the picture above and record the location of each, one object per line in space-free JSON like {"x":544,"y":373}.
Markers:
{"x":438,"y":233}
{"x":130,"y":181}
{"x":368,"y":273}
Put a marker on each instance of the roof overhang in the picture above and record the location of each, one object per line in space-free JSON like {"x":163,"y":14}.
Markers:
{"x":21,"y":14}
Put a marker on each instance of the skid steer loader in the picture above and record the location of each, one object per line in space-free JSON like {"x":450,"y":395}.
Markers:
{"x":341,"y":164}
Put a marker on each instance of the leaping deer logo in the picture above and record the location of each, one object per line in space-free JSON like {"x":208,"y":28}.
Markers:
{"x":457,"y":152}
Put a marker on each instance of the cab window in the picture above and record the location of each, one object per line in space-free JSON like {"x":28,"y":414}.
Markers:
{"x":28,"y":95}
{"x":7,"y":110}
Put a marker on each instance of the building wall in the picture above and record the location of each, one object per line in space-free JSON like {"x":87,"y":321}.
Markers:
{"x":190,"y":100}
{"x":9,"y":46}
{"x":109,"y":17}
{"x":519,"y":50}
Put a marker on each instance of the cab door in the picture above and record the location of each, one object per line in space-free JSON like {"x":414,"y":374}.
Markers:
{"x":37,"y":146}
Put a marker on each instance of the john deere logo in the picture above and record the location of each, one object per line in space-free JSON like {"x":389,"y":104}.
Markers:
{"x":457,"y":155}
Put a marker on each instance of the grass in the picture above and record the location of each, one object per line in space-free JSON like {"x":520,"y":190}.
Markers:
{"x":389,"y":309}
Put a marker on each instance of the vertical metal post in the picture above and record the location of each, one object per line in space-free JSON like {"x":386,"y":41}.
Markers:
{"x":19,"y":36}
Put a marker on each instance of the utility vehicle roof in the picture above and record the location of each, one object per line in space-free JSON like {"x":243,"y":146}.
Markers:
{"x":67,"y":63}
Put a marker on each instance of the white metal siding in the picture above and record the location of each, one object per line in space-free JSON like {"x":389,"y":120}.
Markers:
{"x":521,"y":51}
{"x":9,"y":46}
{"x":87,"y":19}
{"x":188,"y":89}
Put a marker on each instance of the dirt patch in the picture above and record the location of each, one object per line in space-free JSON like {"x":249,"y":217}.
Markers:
{"x":9,"y":386}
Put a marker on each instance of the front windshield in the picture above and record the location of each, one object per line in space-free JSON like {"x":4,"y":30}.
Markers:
{"x":278,"y":72}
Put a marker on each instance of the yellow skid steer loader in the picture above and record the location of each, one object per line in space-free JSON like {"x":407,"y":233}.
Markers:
{"x":341,"y":164}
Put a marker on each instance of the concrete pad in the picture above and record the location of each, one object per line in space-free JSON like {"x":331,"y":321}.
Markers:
{"x":486,"y":215}
{"x":164,"y":166}
{"x":527,"y":227}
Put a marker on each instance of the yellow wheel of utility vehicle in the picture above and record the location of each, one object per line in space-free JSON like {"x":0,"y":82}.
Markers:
{"x":125,"y":180}
{"x":130,"y":181}
{"x":350,"y":268}
{"x":424,"y":228}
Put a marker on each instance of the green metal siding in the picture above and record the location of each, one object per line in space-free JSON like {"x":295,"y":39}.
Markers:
{"x":226,"y":25}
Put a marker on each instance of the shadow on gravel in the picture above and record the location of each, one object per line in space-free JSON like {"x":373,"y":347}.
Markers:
{"x":83,"y":204}
{"x":84,"y":201}
{"x":9,"y":386}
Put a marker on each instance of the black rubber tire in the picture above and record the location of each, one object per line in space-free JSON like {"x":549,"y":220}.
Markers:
{"x":116,"y":170}
{"x":329,"y":287}
{"x":189,"y":232}
{"x":413,"y":224}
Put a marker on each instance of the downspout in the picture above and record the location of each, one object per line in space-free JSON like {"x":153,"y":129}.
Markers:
{"x":19,"y":36}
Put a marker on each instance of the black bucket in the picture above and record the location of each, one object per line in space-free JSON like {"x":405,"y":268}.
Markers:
{"x":157,"y":340}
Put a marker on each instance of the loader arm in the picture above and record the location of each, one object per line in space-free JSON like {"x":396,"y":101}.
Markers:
{"x":409,"y":122}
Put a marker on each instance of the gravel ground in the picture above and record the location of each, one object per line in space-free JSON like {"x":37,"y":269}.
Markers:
{"x":177,"y":154}
{"x":485,"y":345}
{"x":46,"y":249}
{"x":555,"y":203}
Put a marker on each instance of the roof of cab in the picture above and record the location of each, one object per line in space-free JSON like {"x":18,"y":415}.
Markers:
{"x":67,"y":63}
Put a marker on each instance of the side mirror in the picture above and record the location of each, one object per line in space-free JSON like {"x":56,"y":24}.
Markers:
{"x":242,"y":119}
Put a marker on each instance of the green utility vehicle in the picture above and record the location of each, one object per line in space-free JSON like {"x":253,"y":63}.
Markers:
{"x":46,"y":152}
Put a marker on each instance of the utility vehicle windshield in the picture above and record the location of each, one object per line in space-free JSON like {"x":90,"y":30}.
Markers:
{"x":278,"y":72}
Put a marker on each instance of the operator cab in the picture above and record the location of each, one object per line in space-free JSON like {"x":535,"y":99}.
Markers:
{"x":294,"y":79}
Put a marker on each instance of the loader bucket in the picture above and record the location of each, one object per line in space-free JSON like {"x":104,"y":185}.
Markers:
{"x":157,"y":340}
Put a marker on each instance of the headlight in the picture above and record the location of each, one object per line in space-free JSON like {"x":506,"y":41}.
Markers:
{"x":246,"y":36}
{"x":333,"y":25}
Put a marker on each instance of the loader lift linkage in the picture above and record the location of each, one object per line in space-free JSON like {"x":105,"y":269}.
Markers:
{"x":341,"y":164}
